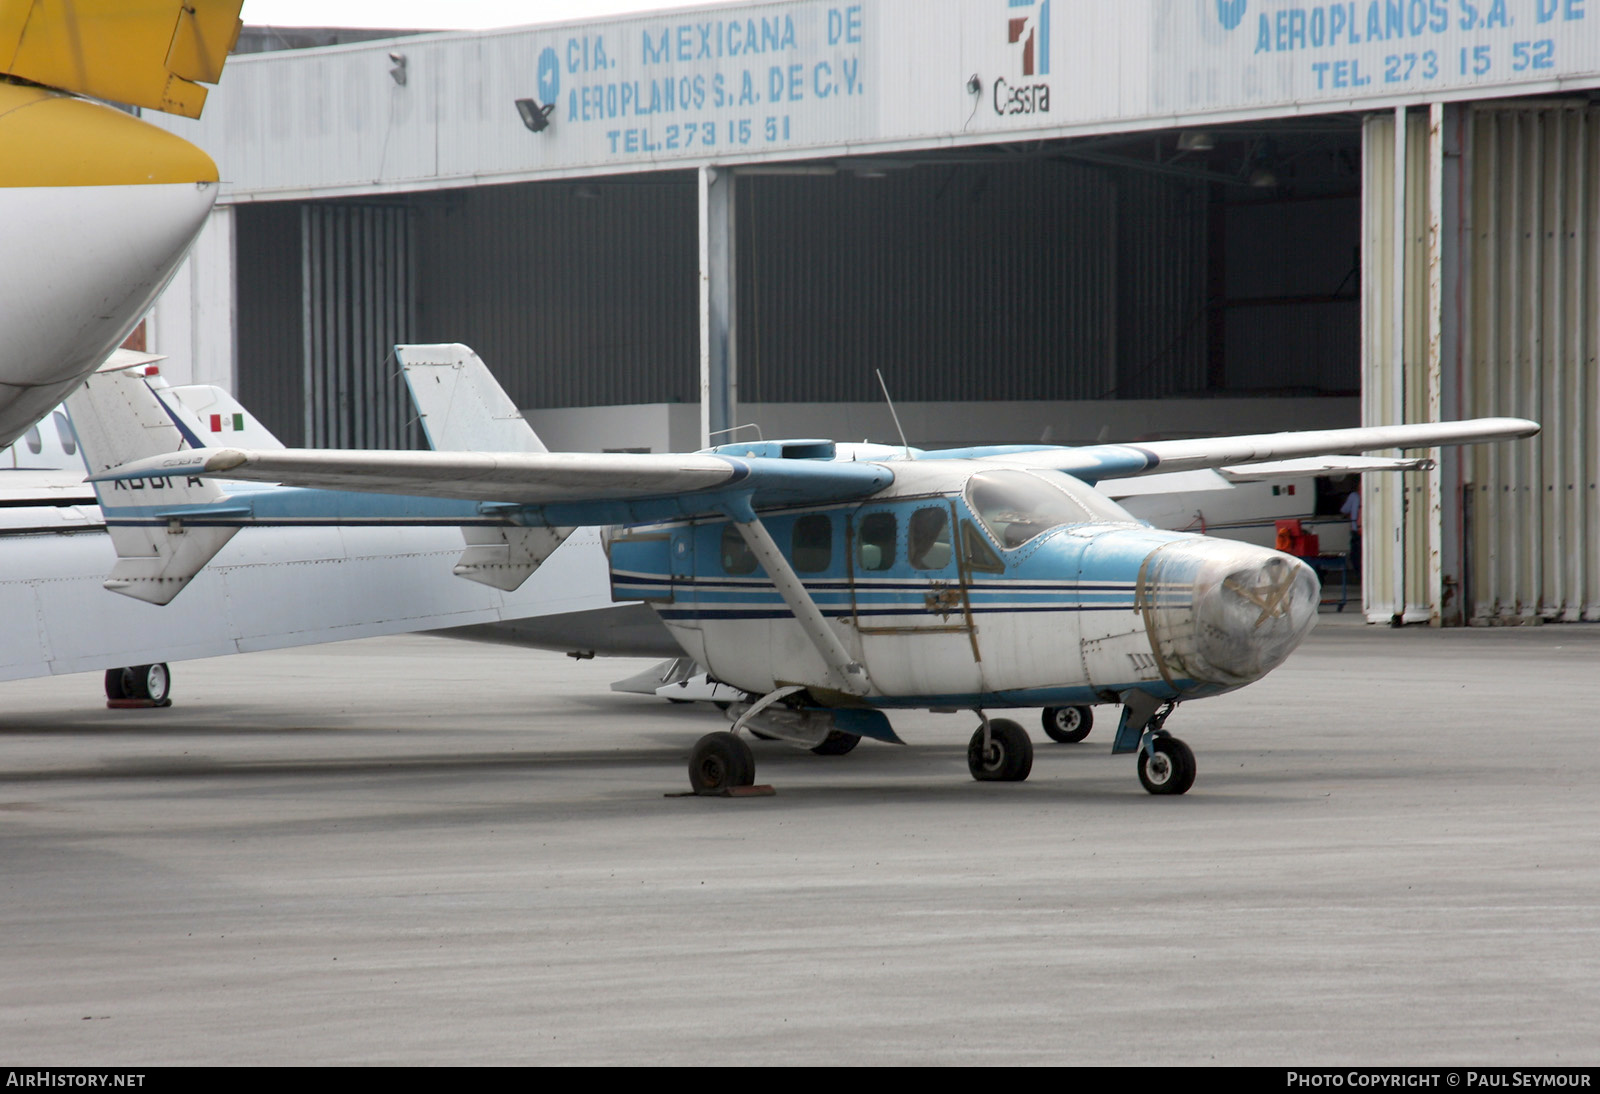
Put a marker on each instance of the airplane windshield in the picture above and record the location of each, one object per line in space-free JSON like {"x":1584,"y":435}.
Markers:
{"x":1017,"y":506}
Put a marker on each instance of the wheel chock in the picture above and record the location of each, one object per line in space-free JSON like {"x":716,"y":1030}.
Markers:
{"x":136,"y":704}
{"x":762,"y":790}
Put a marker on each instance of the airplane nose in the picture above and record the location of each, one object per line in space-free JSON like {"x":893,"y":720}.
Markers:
{"x":1227,"y":613}
{"x":62,"y":140}
{"x":1250,"y":614}
{"x":100,"y":209}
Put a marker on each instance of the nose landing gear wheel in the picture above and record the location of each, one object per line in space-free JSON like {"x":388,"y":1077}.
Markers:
{"x":1068,"y":725}
{"x":1167,"y":769}
{"x":719,"y":762}
{"x":1009,"y":757}
{"x":837,"y":744}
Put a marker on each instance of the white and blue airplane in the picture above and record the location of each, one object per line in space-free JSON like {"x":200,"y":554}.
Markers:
{"x":829,"y":583}
{"x":300,"y":582}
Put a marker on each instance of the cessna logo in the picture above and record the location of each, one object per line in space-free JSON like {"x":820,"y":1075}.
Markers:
{"x":1028,"y":34}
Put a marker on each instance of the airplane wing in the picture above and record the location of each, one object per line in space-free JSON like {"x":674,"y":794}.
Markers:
{"x":612,"y":487}
{"x":577,"y":487}
{"x":1093,"y":463}
{"x":1225,"y":478}
{"x":149,"y":53}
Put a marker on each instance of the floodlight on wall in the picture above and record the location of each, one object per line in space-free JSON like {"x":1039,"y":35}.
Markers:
{"x":397,"y":68}
{"x":1263,"y":173}
{"x":1196,"y":140}
{"x":534,"y":116}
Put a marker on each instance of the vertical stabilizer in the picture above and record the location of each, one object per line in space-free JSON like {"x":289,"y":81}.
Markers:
{"x":464,"y":409}
{"x":218,"y":419}
{"x":118,"y":418}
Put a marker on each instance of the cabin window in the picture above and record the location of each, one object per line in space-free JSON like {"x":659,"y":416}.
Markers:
{"x":928,"y":539}
{"x":875,"y":544}
{"x":811,"y":545}
{"x":980,"y":557}
{"x":69,"y":440}
{"x":737,"y":558}
{"x":1016,"y":506}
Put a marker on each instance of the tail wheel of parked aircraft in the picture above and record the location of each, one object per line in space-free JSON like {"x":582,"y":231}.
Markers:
{"x":151,"y":682}
{"x":1168,"y":768}
{"x":1009,"y":757}
{"x":1068,"y":725}
{"x":720,"y":761}
{"x":837,"y":744}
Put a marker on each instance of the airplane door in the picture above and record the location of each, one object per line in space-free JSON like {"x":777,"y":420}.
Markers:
{"x":654,"y":565}
{"x":908,"y":600}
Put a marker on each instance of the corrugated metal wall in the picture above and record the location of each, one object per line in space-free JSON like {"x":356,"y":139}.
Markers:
{"x":574,"y":293}
{"x":1012,"y":279}
{"x":357,"y":282}
{"x":1293,"y":312}
{"x":269,"y":312}
{"x":1519,"y":223}
{"x":324,"y":290}
{"x":1394,"y":507}
{"x":1161,"y":252}
{"x":1006,"y":280}
{"x":1529,"y":350}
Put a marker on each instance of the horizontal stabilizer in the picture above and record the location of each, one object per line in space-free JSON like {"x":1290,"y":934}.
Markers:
{"x":506,"y":557}
{"x":150,"y":53}
{"x":121,"y":359}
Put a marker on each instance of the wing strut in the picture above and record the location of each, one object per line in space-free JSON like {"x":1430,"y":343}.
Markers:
{"x":794,"y":594}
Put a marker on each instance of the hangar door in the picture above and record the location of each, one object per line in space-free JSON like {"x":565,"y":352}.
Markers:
{"x":324,"y":291}
{"x":1487,"y":306}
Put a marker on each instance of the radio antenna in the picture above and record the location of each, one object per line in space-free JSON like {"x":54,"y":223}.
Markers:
{"x":879,"y":373}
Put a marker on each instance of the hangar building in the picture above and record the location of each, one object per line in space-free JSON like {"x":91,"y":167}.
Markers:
{"x":1040,"y":219}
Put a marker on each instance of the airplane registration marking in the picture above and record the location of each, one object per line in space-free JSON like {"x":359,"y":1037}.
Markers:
{"x":154,"y":482}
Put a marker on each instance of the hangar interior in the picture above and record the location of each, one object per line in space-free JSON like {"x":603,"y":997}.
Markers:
{"x":990,"y":285}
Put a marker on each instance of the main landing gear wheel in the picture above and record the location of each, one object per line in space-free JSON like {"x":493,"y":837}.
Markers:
{"x":719,"y":762}
{"x":1068,"y":725}
{"x":1170,"y":769}
{"x":153,"y":682}
{"x":1009,"y":757}
{"x":837,"y":744}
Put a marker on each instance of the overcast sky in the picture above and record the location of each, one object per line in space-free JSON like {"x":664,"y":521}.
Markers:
{"x":439,"y":14}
